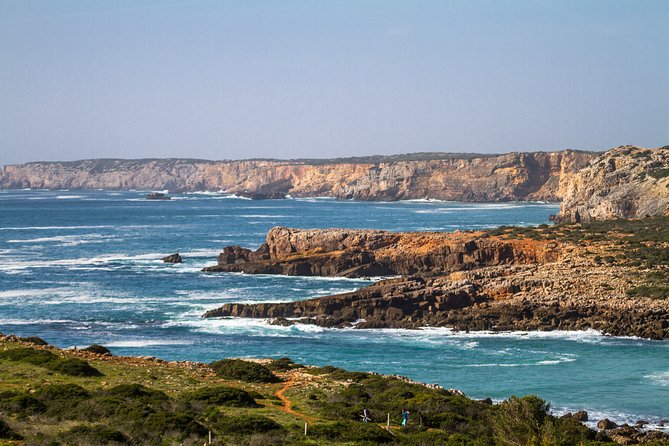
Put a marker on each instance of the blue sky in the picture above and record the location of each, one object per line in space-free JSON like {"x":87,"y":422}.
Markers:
{"x":286,"y":79}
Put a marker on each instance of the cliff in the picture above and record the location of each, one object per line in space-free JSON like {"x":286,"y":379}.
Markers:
{"x":606,"y":276}
{"x":625,"y":182}
{"x":457,"y":177}
{"x":361,"y":253}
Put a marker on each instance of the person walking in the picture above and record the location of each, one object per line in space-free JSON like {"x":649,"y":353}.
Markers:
{"x":365,"y":415}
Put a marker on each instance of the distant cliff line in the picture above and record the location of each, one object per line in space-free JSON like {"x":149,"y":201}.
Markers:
{"x":465,"y":177}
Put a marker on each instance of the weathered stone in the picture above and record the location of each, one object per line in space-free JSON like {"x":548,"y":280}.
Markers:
{"x":606,"y":424}
{"x":172,"y":258}
{"x":626,"y":182}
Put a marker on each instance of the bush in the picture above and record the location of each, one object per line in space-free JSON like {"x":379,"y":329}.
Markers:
{"x":93,"y":435}
{"x":22,"y":405}
{"x":62,"y":392}
{"x":284,"y":364}
{"x":181,"y":423}
{"x":34,"y":340}
{"x":6,"y":432}
{"x":28,"y":355}
{"x":565,"y":432}
{"x":62,"y":400}
{"x":136,"y":391}
{"x":348,"y":431}
{"x":243,"y":371}
{"x":222,"y":396}
{"x":73,"y":367}
{"x":99,"y":349}
{"x":245,"y":424}
{"x":519,"y":420}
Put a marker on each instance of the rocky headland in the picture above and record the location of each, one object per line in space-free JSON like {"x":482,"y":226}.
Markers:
{"x":609,"y":276}
{"x":445,"y":176}
{"x":625,"y":182}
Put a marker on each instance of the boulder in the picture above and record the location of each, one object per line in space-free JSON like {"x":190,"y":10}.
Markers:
{"x":172,"y":258}
{"x":581,"y":416}
{"x":606,"y":424}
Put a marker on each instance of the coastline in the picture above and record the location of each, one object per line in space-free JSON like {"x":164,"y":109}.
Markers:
{"x":650,"y":429}
{"x":602,"y":276}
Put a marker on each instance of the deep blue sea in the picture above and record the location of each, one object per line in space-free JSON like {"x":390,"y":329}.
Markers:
{"x":78,"y":268}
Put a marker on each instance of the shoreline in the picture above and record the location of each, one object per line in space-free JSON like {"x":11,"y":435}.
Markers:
{"x":652,"y":423}
{"x":608,"y":276}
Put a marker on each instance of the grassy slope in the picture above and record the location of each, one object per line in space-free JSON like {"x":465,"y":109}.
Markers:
{"x":329,"y":399}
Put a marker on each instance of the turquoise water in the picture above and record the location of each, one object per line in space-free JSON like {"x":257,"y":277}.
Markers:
{"x":84,"y":267}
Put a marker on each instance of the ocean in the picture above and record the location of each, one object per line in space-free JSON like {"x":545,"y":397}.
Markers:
{"x":83,"y":267}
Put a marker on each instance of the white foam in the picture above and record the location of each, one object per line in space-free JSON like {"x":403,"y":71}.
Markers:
{"x":264,"y":216}
{"x":68,"y":240}
{"x":13,"y":294}
{"x":659,"y":378}
{"x":68,"y":197}
{"x":138,"y":343}
{"x":36,"y":321}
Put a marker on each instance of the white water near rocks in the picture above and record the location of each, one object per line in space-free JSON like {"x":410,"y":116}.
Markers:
{"x":84,"y":267}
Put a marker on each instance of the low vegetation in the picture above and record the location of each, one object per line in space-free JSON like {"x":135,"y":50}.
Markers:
{"x":641,"y":244}
{"x":243,"y":371}
{"x":143,"y":402}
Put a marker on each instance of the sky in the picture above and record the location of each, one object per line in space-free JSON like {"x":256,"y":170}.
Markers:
{"x":317,"y":79}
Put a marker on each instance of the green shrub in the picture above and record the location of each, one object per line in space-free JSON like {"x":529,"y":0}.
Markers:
{"x":519,"y":420}
{"x":181,"y":423}
{"x":99,"y":349}
{"x":349,"y":431}
{"x":61,"y":392}
{"x":73,"y":367}
{"x":659,"y":173}
{"x":243,"y":371}
{"x":93,"y":435}
{"x":565,"y":432}
{"x":22,"y":405}
{"x":245,"y":424}
{"x":28,"y":355}
{"x":283,"y":364}
{"x":222,"y":396}
{"x":136,"y":391}
{"x":7,"y":433}
{"x":34,"y":340}
{"x":62,"y":400}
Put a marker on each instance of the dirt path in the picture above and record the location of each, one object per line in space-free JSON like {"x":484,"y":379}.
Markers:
{"x":287,"y":404}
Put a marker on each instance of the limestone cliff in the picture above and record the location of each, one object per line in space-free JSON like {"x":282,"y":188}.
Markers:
{"x":457,"y":177}
{"x":625,"y":182}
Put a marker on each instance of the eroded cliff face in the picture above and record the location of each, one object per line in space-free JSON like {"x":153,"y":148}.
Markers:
{"x":507,"y":177}
{"x":362,"y":253}
{"x":625,"y":182}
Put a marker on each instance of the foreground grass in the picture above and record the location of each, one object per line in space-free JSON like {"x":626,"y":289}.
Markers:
{"x":135,"y":401}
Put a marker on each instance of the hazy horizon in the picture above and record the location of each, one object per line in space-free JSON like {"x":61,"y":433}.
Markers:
{"x":225,"y":80}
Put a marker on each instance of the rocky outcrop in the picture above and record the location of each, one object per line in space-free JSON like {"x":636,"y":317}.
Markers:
{"x":364,"y":253}
{"x":172,"y":258}
{"x":555,"y":278}
{"x":626,"y":182}
{"x":501,"y":298}
{"x":457,"y":177}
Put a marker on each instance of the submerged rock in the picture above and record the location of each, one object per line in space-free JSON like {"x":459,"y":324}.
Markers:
{"x":157,"y":196}
{"x":173,"y":258}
